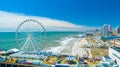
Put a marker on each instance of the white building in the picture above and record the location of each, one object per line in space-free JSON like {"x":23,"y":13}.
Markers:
{"x":105,"y":29}
{"x":114,"y":53}
{"x":108,"y":62}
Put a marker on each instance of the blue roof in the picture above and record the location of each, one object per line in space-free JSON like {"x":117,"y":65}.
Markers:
{"x":62,"y":65}
{"x":106,"y":57}
{"x":116,"y":48}
{"x":112,"y":37}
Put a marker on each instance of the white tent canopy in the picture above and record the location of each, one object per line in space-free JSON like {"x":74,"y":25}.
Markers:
{"x":13,"y":50}
{"x":20,"y":55}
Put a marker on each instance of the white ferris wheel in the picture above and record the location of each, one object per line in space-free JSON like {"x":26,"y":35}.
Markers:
{"x":31,"y":36}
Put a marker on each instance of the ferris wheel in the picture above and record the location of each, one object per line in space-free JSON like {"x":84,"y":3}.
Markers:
{"x":30,"y":36}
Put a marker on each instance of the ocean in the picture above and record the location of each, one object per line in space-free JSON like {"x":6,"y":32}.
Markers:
{"x":8,"y":41}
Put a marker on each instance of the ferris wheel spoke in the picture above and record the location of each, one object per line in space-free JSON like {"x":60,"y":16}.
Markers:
{"x":21,"y":43}
{"x":40,"y":43}
{"x":39,"y":40}
{"x":31,"y":36}
{"x":36,"y":45}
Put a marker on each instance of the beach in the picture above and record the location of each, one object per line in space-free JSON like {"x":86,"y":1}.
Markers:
{"x":72,"y":46}
{"x":64,"y":44}
{"x":77,"y":48}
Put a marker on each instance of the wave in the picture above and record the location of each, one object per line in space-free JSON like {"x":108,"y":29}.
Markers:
{"x":63,"y":44}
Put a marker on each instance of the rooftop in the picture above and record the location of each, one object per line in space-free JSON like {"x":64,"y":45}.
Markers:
{"x":117,"y":49}
{"x":20,"y":55}
{"x":106,"y":57}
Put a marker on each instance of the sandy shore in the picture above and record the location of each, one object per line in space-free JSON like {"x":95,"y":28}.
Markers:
{"x":69,"y":46}
{"x":77,"y":50}
{"x":64,"y":44}
{"x":74,"y":48}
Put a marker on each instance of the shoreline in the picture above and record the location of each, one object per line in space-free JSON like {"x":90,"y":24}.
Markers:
{"x":72,"y":46}
{"x":75,"y":48}
{"x":64,"y":43}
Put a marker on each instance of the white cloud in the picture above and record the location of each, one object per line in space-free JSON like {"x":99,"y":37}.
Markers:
{"x":9,"y":22}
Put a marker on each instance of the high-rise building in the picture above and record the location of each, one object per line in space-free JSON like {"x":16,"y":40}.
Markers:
{"x":105,"y":29}
{"x":117,"y":30}
{"x":109,"y":28}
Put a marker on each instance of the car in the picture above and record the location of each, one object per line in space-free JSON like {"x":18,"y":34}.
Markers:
{"x":27,"y":63}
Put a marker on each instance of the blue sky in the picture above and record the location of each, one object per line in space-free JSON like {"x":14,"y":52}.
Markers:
{"x":79,"y":12}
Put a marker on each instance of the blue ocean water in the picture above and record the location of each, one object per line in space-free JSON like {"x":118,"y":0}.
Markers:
{"x":8,"y":39}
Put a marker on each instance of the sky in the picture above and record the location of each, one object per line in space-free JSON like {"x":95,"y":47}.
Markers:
{"x":82,"y":13}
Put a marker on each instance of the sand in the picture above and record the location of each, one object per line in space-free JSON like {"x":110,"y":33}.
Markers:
{"x":75,"y":48}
